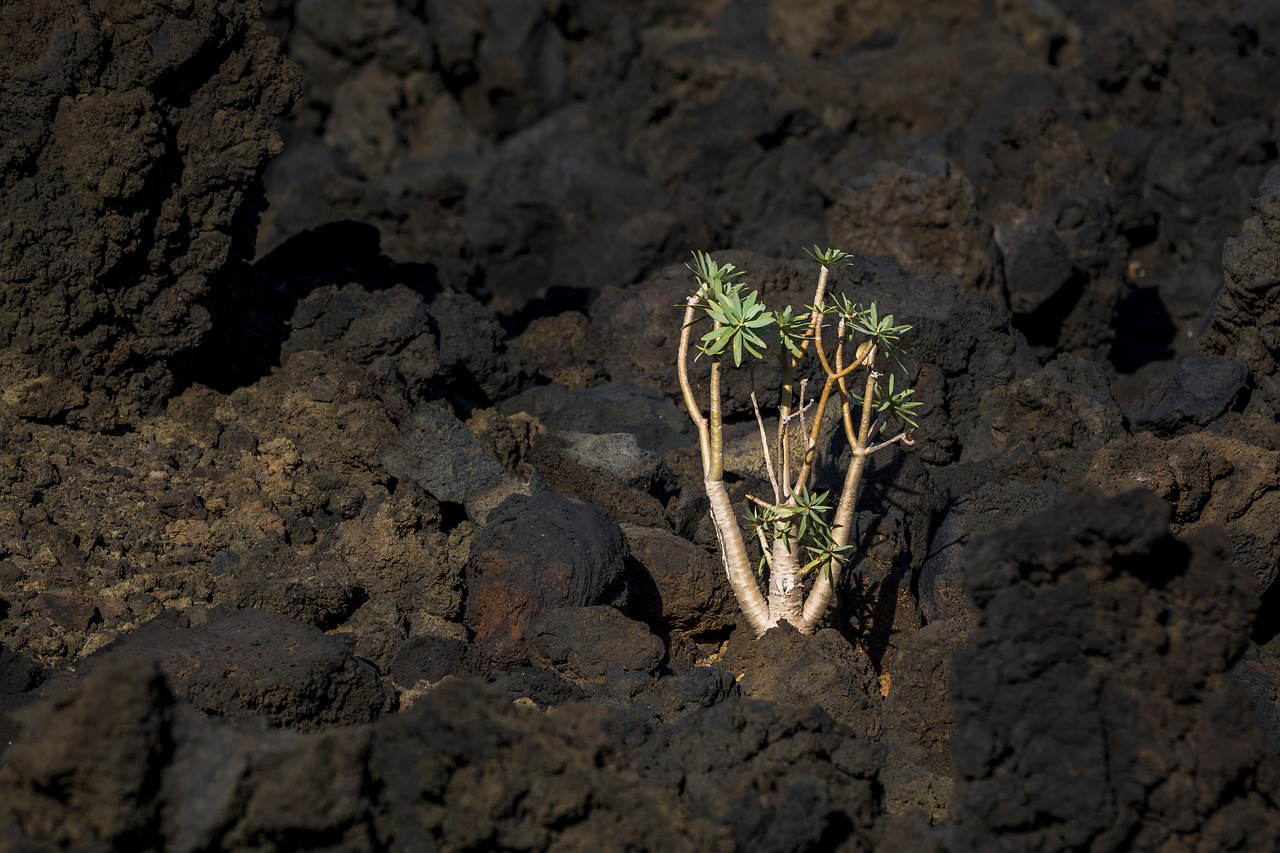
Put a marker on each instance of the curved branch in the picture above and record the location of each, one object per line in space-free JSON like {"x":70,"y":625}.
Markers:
{"x":686,"y":390}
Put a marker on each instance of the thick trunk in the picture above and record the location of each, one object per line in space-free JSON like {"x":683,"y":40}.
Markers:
{"x":786,"y":592}
{"x":737,"y":563}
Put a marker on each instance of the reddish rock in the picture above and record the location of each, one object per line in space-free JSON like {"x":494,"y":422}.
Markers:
{"x":539,"y":553}
{"x":67,"y":609}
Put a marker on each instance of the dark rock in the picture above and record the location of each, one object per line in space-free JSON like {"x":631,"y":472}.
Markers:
{"x":918,"y":722}
{"x":246,"y":663}
{"x":537,"y":227}
{"x":536,"y":554}
{"x":371,"y":311}
{"x":1200,"y":392}
{"x":610,"y":471}
{"x":1047,"y":425}
{"x":1036,"y":263}
{"x":920,"y":210}
{"x":151,"y":228}
{"x":651,"y":418}
{"x":20,"y":675}
{"x":252,"y":786}
{"x":778,"y":778}
{"x":1043,"y":187}
{"x":1247,"y":308}
{"x":1210,"y":481}
{"x":443,"y":456}
{"x":588,"y":642}
{"x":540,"y":687}
{"x":428,"y":658}
{"x":321,"y":595}
{"x":466,"y":768}
{"x":970,"y":516}
{"x":1258,"y":672}
{"x":824,"y":670}
{"x":1094,"y":708}
{"x":68,"y":609}
{"x":88,"y":768}
{"x":680,"y":587}
{"x":669,"y":699}
{"x":562,"y":349}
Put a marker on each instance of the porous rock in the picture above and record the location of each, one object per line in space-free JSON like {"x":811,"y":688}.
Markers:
{"x":89,"y":764}
{"x":136,"y":138}
{"x":1094,"y":708}
{"x":245,"y":663}
{"x":1208,"y":480}
{"x":824,"y":670}
{"x":1197,"y":393}
{"x":1247,"y":311}
{"x":589,"y":642}
{"x":778,"y":778}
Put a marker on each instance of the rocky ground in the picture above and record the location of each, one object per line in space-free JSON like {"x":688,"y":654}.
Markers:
{"x":346,"y":502}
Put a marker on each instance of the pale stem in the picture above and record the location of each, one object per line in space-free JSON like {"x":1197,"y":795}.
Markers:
{"x":786,"y":592}
{"x":715,"y":464}
{"x":841,"y":526}
{"x":737,"y":564}
{"x":686,"y":390}
{"x":764,"y":445}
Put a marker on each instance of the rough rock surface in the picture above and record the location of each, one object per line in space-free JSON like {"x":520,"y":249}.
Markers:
{"x":824,"y":670}
{"x":1093,"y":705}
{"x":249,"y":663}
{"x":1208,"y":480}
{"x":680,"y":587}
{"x":464,"y":287}
{"x":589,"y":642}
{"x":1247,"y":309}
{"x":136,"y":136}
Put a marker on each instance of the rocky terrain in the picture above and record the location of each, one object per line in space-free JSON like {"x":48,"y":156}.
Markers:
{"x":346,"y":498}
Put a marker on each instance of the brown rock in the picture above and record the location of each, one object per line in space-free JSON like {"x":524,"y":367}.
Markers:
{"x":67,"y":609}
{"x":539,"y":553}
{"x":680,"y":587}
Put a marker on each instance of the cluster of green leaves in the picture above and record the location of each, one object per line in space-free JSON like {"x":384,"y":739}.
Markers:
{"x":893,"y":405}
{"x":807,"y":517}
{"x":867,"y":322}
{"x":792,"y":330}
{"x":830,"y":257}
{"x":737,"y":319}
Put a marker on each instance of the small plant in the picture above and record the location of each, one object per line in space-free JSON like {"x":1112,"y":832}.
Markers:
{"x":803,"y":546}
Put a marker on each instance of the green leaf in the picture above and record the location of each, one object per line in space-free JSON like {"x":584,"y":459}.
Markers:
{"x":829,"y":257}
{"x":896,"y":405}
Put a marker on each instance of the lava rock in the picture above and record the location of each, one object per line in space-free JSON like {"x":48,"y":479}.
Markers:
{"x":588,"y":642}
{"x":137,"y":136}
{"x":1094,"y":706}
{"x":1047,"y":425}
{"x":89,"y":763}
{"x":822,"y":670}
{"x":1198,"y":393}
{"x":443,"y":456}
{"x":1247,"y":309}
{"x":920,"y":210}
{"x":246,"y":663}
{"x":677,"y":585}
{"x":970,"y":516}
{"x":1209,"y":481}
{"x":778,"y":778}
{"x":536,"y":554}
